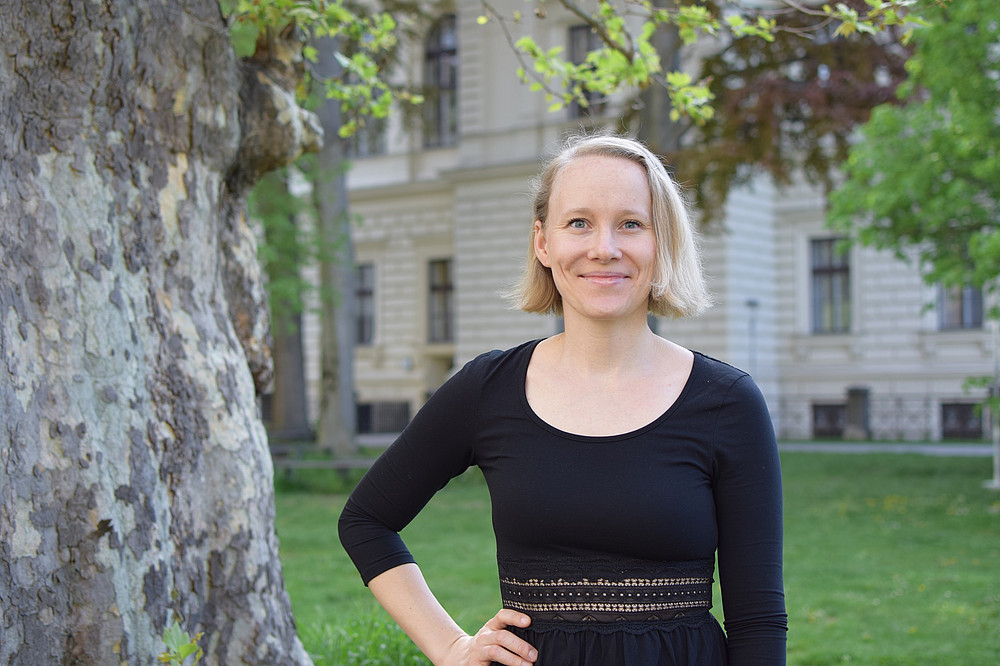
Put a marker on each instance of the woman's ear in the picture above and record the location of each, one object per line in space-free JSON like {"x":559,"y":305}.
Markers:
{"x":541,"y":251}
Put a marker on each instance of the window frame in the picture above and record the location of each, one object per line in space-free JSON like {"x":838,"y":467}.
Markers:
{"x":832,"y":413}
{"x":830,"y":287}
{"x":959,"y":308}
{"x":441,"y":83}
{"x":969,"y":415}
{"x":440,"y":302}
{"x":364,"y":300}
{"x":582,"y":40}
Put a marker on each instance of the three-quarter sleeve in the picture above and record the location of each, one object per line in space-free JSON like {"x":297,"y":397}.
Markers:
{"x":436,"y":446}
{"x":747,"y":491}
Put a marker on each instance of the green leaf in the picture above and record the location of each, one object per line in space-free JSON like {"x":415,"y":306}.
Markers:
{"x":174,"y":637}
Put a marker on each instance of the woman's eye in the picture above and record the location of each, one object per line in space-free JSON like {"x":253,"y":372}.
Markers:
{"x":577,"y":223}
{"x":632,"y":224}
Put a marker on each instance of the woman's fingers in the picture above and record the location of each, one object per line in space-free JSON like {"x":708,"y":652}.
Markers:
{"x":502,"y":646}
{"x":508,"y":618}
{"x":506,"y":648}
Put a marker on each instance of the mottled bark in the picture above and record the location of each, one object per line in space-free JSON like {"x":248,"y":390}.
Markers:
{"x":135,"y":480}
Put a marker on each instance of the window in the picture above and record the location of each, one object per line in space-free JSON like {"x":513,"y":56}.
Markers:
{"x":583,"y":40}
{"x":369,"y":140}
{"x":960,"y":307}
{"x":441,"y":84}
{"x":365,"y":302}
{"x":828,"y":421}
{"x":382,"y":417}
{"x":831,"y":296}
{"x":961,"y":420}
{"x":439,"y":311}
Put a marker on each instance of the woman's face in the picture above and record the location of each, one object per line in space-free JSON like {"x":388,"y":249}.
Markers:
{"x":599,"y":240}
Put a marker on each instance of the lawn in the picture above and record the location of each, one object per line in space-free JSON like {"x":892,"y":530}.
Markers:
{"x":889,"y":559}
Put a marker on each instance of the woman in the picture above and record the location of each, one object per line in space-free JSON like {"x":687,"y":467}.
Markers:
{"x":619,"y":463}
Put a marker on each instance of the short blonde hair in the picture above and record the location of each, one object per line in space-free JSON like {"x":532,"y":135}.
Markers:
{"x":678,"y":288}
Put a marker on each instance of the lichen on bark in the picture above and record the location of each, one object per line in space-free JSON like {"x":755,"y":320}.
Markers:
{"x":133,"y":337}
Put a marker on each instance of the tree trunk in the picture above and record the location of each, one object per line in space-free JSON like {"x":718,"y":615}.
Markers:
{"x":289,"y":418}
{"x":136,"y":485}
{"x":336,"y":426}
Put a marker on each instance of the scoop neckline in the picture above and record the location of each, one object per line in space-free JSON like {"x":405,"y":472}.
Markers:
{"x":631,"y":434}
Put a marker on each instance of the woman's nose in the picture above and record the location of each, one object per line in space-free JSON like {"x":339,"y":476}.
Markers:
{"x":605,"y":246}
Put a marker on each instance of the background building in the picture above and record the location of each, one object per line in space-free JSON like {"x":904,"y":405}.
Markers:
{"x":850,"y":344}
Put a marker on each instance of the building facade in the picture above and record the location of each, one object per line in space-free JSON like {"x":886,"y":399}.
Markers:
{"x":843,"y":344}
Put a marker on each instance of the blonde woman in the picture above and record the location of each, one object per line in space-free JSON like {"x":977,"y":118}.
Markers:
{"x":620,"y":464}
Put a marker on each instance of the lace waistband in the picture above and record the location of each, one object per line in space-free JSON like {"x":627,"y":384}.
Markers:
{"x":619,"y":594}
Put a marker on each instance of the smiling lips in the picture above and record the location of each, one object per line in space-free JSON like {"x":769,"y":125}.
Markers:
{"x":604,"y":277}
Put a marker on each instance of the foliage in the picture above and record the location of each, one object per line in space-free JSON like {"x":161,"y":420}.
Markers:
{"x":286,"y":247}
{"x":291,"y":240}
{"x":180,"y":646}
{"x":788,"y":106}
{"x":766,"y":117}
{"x":923,"y":179}
{"x":365,"y":41}
{"x":628,"y":59}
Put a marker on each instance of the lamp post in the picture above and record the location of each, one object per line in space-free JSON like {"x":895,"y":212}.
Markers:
{"x":752,"y":304}
{"x":994,"y":483}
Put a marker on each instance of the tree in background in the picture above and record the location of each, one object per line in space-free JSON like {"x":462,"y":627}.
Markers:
{"x":923,"y":177}
{"x":287,"y":246}
{"x":787,"y":107}
{"x":781,"y":86}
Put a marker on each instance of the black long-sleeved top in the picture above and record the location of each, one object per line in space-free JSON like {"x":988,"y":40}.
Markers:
{"x":579,"y":516}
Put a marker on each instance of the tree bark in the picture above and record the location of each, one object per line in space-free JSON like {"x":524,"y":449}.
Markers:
{"x":136,"y":485}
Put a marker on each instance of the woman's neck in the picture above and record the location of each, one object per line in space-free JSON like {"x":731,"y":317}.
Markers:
{"x":606,"y":347}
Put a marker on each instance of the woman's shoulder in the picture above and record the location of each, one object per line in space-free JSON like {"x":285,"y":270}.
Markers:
{"x":500,"y":360}
{"x":711,"y":369}
{"x":721,"y":380}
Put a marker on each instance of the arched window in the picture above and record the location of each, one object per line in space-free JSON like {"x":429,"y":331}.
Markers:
{"x":441,"y":83}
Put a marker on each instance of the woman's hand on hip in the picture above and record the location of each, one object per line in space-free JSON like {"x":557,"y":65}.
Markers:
{"x":493,"y":643}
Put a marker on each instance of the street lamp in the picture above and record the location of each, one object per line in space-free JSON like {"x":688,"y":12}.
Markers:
{"x":752,"y":304}
{"x":994,"y":483}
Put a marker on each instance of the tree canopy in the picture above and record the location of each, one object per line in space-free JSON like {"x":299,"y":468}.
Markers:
{"x":788,"y":106}
{"x":923,"y":178}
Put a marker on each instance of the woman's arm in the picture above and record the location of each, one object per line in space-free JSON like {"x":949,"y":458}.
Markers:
{"x":747,"y":489}
{"x":437,"y":445}
{"x":404,"y":594}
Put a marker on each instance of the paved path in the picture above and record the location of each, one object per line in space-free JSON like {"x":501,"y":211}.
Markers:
{"x":943,"y":450}
{"x":955,"y":449}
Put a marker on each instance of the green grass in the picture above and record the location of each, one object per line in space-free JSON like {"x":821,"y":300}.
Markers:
{"x":889,"y":559}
